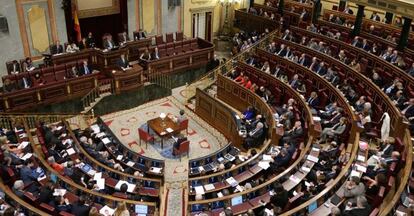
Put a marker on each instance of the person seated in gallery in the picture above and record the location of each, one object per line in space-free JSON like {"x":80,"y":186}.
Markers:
{"x":145,"y":56}
{"x":28,"y":65}
{"x":140,"y":35}
{"x":155,"y":55}
{"x":108,"y":43}
{"x":334,"y":131}
{"x":178,"y":140}
{"x":85,"y":69}
{"x":249,"y":114}
{"x":14,"y":67}
{"x":56,"y":48}
{"x":293,"y":134}
{"x":90,"y":41}
{"x":123,"y":38}
{"x":123,"y":63}
{"x":72,"y":48}
{"x":254,"y":136}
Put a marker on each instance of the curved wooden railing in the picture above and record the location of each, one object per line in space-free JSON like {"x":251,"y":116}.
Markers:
{"x":72,"y":184}
{"x":373,"y":60}
{"x":96,"y":162}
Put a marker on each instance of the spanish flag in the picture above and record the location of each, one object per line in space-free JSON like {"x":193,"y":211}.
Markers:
{"x":76,"y":23}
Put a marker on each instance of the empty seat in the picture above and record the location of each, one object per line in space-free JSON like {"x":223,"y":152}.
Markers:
{"x":169,"y":37}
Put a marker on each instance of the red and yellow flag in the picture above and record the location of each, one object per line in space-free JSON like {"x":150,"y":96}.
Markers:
{"x":77,"y":27}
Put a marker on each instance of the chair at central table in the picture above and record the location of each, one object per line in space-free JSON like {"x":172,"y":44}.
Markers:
{"x":160,"y":126}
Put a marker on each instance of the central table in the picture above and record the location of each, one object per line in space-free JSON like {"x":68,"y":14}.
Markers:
{"x":159,"y":127}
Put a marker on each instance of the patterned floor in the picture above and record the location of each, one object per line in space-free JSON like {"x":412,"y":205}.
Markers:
{"x":125,"y":124}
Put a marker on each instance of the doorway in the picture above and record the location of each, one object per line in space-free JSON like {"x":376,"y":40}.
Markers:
{"x":202,"y":25}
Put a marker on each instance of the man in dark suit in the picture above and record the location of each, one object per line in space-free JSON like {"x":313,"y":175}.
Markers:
{"x":361,"y":209}
{"x":85,"y":69}
{"x":155,"y":54}
{"x":254,"y":136}
{"x":123,"y":62}
{"x":313,"y":100}
{"x":365,"y":45}
{"x":178,"y":142}
{"x":282,"y":51}
{"x":108,"y":42}
{"x":123,"y":38}
{"x":56,"y":48}
{"x":293,"y":134}
{"x":321,"y":70}
{"x":375,"y":16}
{"x":140,"y":35}
{"x":90,"y":41}
{"x":24,"y":82}
{"x":14,"y":67}
{"x":81,"y":208}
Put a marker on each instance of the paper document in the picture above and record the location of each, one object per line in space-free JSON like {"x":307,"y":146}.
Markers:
{"x":264,"y":165}
{"x":209,"y":187}
{"x":119,"y":157}
{"x":199,"y":190}
{"x":59,"y":192}
{"x":355,"y":173}
{"x":106,"y":140}
{"x":130,"y":163}
{"x":26,"y":156}
{"x":267,"y":157}
{"x":70,"y":151}
{"x":23,"y":145}
{"x":97,"y":176}
{"x":169,"y":130}
{"x":99,"y":135}
{"x":232,"y":182}
{"x":361,"y":158}
{"x":155,"y":169}
{"x":95,"y":128}
{"x":219,"y":194}
{"x":361,"y":168}
{"x":107,"y":211}
{"x":294,"y":179}
{"x":313,"y":158}
{"x":100,"y":183}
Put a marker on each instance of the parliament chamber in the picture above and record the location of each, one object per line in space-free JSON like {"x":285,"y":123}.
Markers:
{"x":206,"y":107}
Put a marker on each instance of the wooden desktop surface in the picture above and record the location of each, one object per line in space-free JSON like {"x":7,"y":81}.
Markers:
{"x":156,"y":125}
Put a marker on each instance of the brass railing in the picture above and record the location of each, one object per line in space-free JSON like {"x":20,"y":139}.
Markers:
{"x":105,"y":87}
{"x":210,"y":78}
{"x":10,"y":120}
{"x":161,"y":79}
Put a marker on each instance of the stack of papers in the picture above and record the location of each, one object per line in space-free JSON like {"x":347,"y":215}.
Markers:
{"x":232,"y":182}
{"x":99,"y":135}
{"x":209,"y":187}
{"x":361,"y":158}
{"x":361,"y":168}
{"x":131,"y":187}
{"x":294,"y":179}
{"x":59,"y":192}
{"x":26,"y":156}
{"x":169,"y":130}
{"x":355,"y":173}
{"x":130,"y":163}
{"x":107,"y":211}
{"x":95,"y":128}
{"x":305,"y":169}
{"x":119,"y":157}
{"x":199,"y":190}
{"x":316,"y":149}
{"x":23,"y":145}
{"x":219,"y":194}
{"x":70,"y":151}
{"x":106,"y":140}
{"x":317,"y":118}
{"x":155,"y":169}
{"x":267,"y":157}
{"x":313,"y":158}
{"x":264,"y":165}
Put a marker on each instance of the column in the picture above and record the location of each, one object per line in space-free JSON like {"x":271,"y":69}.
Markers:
{"x":281,"y":7}
{"x":358,"y":20}
{"x":402,"y":43}
{"x":317,"y":7}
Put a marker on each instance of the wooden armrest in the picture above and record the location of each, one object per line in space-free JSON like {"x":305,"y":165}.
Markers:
{"x":47,"y":207}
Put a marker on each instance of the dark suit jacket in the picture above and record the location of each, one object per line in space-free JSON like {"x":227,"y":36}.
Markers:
{"x":10,"y":67}
{"x":313,"y":103}
{"x":358,"y":212}
{"x":21,"y":82}
{"x":56,"y":49}
{"x":46,"y":194}
{"x":106,"y":44}
{"x":123,"y":64}
{"x":82,"y":70}
{"x":26,"y":175}
{"x":80,"y":210}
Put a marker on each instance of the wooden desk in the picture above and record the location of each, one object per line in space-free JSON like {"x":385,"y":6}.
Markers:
{"x":128,"y":79}
{"x":157,"y":126}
